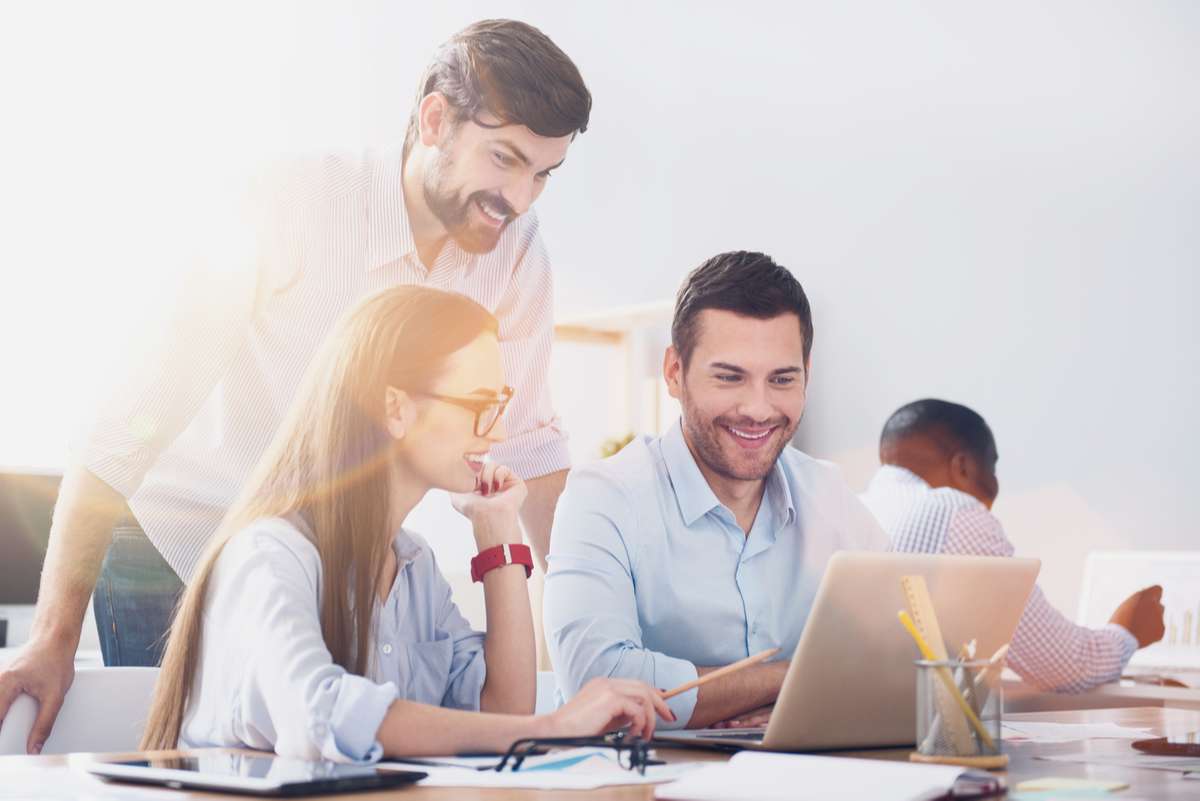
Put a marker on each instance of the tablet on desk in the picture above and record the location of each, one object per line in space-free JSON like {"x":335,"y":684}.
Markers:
{"x":253,"y":774}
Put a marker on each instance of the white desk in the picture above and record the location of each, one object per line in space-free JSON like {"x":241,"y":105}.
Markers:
{"x":1019,"y":697}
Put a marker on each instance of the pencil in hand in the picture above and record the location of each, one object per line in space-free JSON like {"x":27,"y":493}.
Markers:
{"x":720,"y":672}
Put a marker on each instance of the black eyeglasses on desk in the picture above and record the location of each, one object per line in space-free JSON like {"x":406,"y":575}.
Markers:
{"x":632,"y":753}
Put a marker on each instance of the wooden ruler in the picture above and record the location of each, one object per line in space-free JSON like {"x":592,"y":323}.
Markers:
{"x":920,"y":608}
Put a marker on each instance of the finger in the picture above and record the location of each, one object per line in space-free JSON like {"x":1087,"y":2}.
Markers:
{"x":661,"y":706}
{"x":43,"y":724}
{"x":503,"y":477}
{"x":9,"y":691}
{"x":642,"y":722}
{"x":485,"y":478}
{"x":1154,"y":592}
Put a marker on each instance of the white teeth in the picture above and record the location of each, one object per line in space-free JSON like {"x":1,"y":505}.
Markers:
{"x":748,"y":435}
{"x":490,"y":212}
{"x":474,"y":457}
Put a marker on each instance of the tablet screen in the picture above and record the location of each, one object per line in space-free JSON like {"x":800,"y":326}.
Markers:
{"x":261,"y":774}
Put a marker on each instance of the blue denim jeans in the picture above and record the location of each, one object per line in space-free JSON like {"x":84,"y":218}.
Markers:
{"x":135,"y":600}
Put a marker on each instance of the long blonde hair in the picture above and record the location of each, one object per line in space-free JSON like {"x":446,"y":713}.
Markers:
{"x":328,"y":464}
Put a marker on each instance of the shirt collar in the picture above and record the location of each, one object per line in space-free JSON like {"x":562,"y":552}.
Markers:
{"x":389,"y":235}
{"x":894,"y":474}
{"x":693,"y":493}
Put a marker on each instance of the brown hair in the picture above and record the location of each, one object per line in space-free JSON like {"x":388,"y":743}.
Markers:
{"x":743,"y":282}
{"x":510,"y":70}
{"x":328,"y":465}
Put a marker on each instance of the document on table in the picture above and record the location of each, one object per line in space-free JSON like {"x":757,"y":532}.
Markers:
{"x":1186,"y":765}
{"x":1022,"y":731}
{"x":757,"y":776}
{"x":570,"y":769}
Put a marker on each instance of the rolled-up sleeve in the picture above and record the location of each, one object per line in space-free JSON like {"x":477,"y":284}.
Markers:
{"x":590,"y":603}
{"x":295,"y":694}
{"x":536,"y":443}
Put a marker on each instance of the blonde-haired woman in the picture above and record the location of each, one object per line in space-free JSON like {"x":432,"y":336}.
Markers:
{"x":316,"y":626}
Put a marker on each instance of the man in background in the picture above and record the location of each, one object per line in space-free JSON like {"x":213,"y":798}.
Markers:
{"x":496,"y":111}
{"x":934,"y":494}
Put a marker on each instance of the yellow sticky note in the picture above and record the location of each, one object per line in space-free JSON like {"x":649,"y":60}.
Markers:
{"x":1066,"y":783}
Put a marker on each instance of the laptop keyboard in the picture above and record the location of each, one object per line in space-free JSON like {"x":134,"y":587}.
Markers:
{"x":734,"y":734}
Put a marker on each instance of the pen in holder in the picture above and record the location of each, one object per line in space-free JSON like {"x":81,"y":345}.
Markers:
{"x":959,"y":712}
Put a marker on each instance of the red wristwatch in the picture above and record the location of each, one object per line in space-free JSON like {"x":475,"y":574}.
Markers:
{"x":499,"y":556}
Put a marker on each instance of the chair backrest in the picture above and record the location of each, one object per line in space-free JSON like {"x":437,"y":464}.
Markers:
{"x":104,"y":711}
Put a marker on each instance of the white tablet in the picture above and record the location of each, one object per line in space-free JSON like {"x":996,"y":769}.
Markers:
{"x":252,"y":774}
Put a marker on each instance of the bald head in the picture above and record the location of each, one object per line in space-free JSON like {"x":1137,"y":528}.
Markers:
{"x":946,"y":444}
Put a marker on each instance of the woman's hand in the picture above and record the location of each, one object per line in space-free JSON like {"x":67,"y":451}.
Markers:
{"x":607,"y":704}
{"x":492,"y":508}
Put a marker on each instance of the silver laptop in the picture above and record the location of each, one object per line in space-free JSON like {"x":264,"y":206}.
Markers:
{"x":851,"y":683}
{"x":1110,"y":577}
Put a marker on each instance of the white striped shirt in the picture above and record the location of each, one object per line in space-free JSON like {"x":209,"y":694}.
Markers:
{"x":1047,"y":650}
{"x":180,"y":436}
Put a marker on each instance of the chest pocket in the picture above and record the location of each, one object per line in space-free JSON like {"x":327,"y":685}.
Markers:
{"x":428,"y":670}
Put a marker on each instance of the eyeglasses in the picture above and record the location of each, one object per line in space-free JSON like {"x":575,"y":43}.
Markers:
{"x":633,"y":753}
{"x":487,"y":410}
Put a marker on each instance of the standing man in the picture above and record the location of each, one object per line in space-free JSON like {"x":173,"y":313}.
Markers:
{"x":496,"y":111}
{"x":934,"y":494}
{"x":686,"y":552}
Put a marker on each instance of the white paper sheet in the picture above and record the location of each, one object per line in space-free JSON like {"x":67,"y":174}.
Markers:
{"x":1069,"y":732}
{"x":758,"y":776}
{"x":1188,"y":765}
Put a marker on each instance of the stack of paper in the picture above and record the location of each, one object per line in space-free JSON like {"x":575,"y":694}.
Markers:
{"x":801,"y":777}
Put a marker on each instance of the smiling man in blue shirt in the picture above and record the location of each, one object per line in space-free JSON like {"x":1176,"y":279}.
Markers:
{"x":686,"y":552}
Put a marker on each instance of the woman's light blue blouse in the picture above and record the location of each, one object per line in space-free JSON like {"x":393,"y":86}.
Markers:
{"x":266,"y":680}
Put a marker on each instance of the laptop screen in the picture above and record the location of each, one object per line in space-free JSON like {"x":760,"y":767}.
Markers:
{"x":1112,"y":576}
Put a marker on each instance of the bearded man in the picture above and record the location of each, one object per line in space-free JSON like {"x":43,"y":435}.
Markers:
{"x":687,"y":552}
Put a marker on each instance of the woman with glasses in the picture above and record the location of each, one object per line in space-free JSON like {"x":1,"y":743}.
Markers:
{"x":316,"y":626}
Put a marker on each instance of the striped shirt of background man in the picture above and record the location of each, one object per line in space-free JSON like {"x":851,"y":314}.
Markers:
{"x":1047,"y":650}
{"x":181,"y":432}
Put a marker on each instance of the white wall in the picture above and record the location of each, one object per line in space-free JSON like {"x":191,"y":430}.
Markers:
{"x":991,"y":203}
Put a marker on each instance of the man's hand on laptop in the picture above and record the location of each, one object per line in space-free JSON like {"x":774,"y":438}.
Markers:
{"x":1141,"y":614}
{"x":754,"y":719}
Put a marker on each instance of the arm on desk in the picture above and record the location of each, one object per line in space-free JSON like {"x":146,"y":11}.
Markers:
{"x":411,"y":729}
{"x":745,"y":691}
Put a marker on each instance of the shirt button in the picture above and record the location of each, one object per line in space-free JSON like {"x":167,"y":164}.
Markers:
{"x":387,"y":648}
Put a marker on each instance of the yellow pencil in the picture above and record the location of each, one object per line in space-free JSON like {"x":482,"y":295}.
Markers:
{"x":719,"y":672}
{"x":947,"y":679}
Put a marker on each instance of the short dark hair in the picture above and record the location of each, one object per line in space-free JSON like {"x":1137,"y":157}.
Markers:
{"x":510,"y":70}
{"x":951,"y":424}
{"x":745,"y":283}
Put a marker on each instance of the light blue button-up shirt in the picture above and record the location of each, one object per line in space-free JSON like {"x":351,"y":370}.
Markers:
{"x":266,"y":679}
{"x":650,"y":575}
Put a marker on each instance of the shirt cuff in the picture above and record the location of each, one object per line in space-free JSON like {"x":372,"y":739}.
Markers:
{"x":1125,"y":639}
{"x":534,"y":454}
{"x":345,"y":717}
{"x":671,"y":672}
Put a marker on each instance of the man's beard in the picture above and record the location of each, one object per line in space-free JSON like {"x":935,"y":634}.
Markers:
{"x":705,"y":438}
{"x":454,"y":212}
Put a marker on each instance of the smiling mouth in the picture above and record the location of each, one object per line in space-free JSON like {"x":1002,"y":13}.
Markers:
{"x":496,"y":217}
{"x":474,"y":461}
{"x":750,"y":437}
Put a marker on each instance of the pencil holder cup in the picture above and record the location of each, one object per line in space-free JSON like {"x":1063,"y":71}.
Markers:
{"x":959,"y":709}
